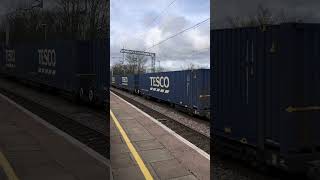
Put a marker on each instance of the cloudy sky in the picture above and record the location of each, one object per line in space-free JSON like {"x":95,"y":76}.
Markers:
{"x":307,"y":10}
{"x":133,"y":26}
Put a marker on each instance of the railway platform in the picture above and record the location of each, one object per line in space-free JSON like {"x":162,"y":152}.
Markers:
{"x":31,"y":149}
{"x":143,"y":148}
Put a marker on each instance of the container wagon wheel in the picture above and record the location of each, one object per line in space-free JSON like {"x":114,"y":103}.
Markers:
{"x":77,"y":95}
{"x":91,"y":96}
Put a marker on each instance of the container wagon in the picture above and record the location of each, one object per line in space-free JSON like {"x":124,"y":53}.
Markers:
{"x":75,"y":67}
{"x":266,"y":84}
{"x":116,"y":81}
{"x":129,"y":83}
{"x":188,"y":89}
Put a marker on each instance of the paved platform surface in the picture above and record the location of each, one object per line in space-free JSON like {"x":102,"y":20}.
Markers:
{"x":36,"y":152}
{"x":80,"y":113}
{"x":164,"y":155}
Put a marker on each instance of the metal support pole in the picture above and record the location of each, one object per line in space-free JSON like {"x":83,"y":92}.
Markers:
{"x":152,"y":55}
{"x":153,"y":64}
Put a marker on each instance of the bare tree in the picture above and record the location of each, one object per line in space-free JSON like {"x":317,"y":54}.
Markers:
{"x":133,"y":64}
{"x":263,"y":16}
{"x":160,"y":69}
{"x":65,"y":19}
{"x":87,"y":17}
{"x":119,"y":69}
{"x":136,"y":63}
{"x":189,"y":66}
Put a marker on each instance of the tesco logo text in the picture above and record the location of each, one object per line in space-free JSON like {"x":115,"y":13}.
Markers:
{"x":161,"y":81}
{"x":47,"y":61}
{"x":10,"y":58}
{"x":160,"y":84}
{"x":47,"y":57}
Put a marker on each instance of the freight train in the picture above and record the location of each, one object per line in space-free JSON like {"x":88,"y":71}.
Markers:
{"x":77,"y":68}
{"x":187,"y":90}
{"x":266,"y":85}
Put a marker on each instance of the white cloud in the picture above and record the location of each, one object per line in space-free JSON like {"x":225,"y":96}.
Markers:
{"x":199,"y":41}
{"x":133,"y":29}
{"x":154,"y":35}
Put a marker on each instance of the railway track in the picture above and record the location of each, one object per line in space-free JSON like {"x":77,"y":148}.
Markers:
{"x":196,"y":138}
{"x":94,"y":139}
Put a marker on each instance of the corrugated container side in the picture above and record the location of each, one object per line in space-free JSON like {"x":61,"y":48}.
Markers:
{"x":131,"y":82}
{"x":201,"y":84}
{"x":62,"y":64}
{"x":189,"y":89}
{"x":117,"y":81}
{"x":100,"y":57}
{"x":9,"y":60}
{"x":150,"y":85}
{"x":136,"y":83}
{"x":84,"y":70}
{"x":127,"y":82}
{"x":300,"y":88}
{"x":25,"y":64}
{"x":113,"y":80}
{"x":63,"y":73}
{"x":2,"y":55}
{"x":265,"y":87}
{"x":235,"y":84}
{"x":3,"y":58}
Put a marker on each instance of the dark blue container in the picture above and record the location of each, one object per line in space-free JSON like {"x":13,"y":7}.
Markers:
{"x":189,"y":89}
{"x":129,"y":82}
{"x":75,"y":67}
{"x":2,"y":57}
{"x":266,"y":84}
{"x":133,"y":83}
{"x":116,"y":81}
{"x":100,"y":57}
{"x":9,"y":60}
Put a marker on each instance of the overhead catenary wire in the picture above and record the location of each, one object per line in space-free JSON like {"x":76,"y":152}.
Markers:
{"x":186,"y":55}
{"x":193,"y":52}
{"x":161,"y":13}
{"x":177,"y":34}
{"x":154,"y":19}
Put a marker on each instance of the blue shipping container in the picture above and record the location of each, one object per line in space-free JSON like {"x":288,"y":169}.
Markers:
{"x":266,"y":86}
{"x":76,"y":67}
{"x":116,"y":81}
{"x":189,"y":89}
{"x":129,"y":82}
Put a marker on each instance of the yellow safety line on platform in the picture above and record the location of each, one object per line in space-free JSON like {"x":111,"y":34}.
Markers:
{"x":7,"y":168}
{"x":134,"y":152}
